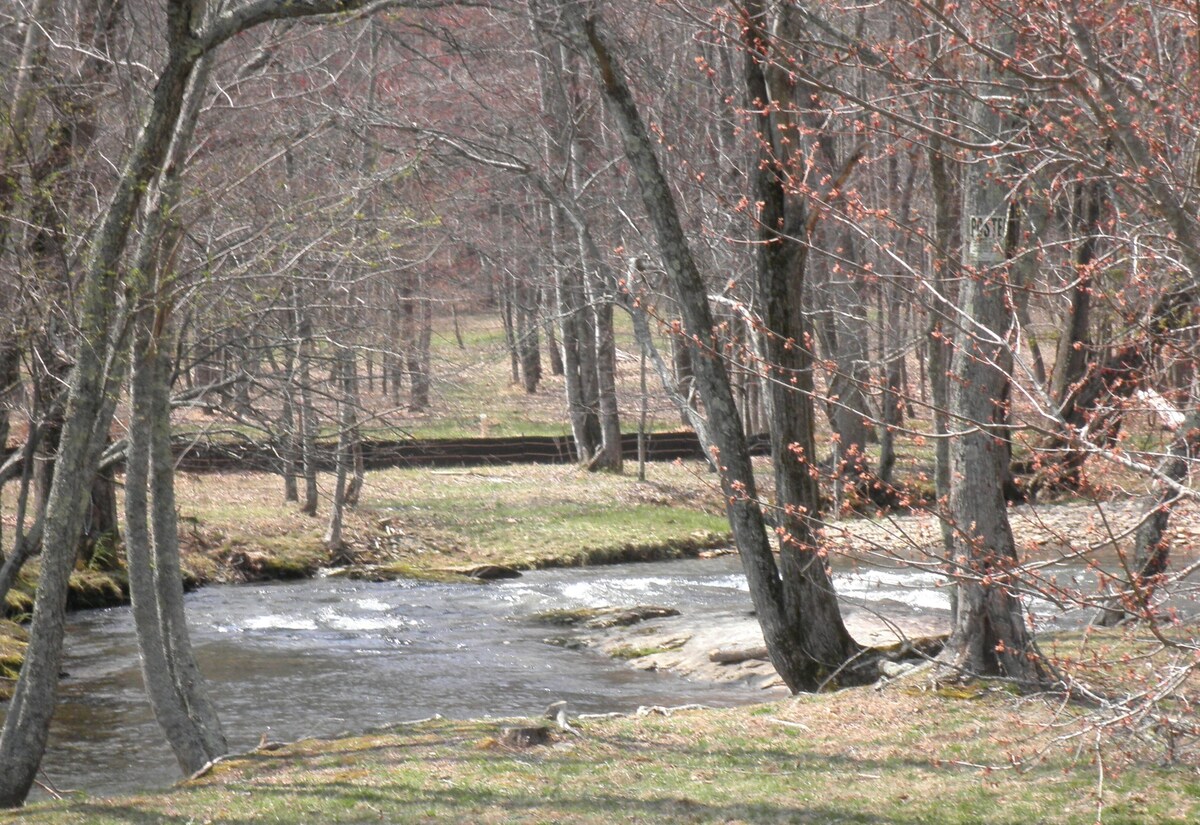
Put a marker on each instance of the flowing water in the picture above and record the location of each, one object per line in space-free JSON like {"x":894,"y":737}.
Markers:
{"x":331,"y":655}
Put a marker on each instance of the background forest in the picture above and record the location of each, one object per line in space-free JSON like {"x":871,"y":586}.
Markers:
{"x":941,"y":256}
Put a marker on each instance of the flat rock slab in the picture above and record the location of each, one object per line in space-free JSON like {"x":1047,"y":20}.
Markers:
{"x":728,"y":648}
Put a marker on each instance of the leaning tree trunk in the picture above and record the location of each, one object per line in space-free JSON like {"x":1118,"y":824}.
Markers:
{"x":810,"y":602}
{"x":89,"y":410}
{"x":785,"y":637}
{"x":172,"y":676}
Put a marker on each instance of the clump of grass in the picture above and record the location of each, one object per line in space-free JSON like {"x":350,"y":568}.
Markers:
{"x":91,"y":588}
{"x":13,"y":640}
{"x":631,"y":652}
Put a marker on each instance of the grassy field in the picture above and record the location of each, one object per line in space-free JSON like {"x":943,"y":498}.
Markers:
{"x":861,"y":756}
{"x":522,"y":516}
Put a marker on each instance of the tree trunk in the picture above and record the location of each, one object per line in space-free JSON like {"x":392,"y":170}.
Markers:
{"x":844,"y":338}
{"x":939,"y":337}
{"x":289,"y":430}
{"x":527,"y":337}
{"x":785,"y":639}
{"x":89,"y":411}
{"x":508,"y":316}
{"x":169,"y":669}
{"x":989,"y":635}
{"x":308,"y":419}
{"x":608,"y":456}
{"x":101,"y":534}
{"x":1152,"y":549}
{"x":1075,"y":386}
{"x":577,"y":338}
{"x":553,"y":350}
{"x":685,"y":375}
{"x":419,"y":363}
{"x":25,"y":543}
{"x":809,"y":602}
{"x":343,"y":378}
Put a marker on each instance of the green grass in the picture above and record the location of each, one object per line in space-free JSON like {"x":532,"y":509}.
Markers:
{"x":855,"y":757}
{"x":537,"y":516}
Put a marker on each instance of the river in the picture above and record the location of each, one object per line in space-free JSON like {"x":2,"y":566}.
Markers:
{"x":329,"y":655}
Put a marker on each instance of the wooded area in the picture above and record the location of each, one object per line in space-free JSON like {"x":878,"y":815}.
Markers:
{"x":970,"y":229}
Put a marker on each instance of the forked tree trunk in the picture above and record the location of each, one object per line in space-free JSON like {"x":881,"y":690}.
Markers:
{"x":169,"y":670}
{"x":783,"y":629}
{"x":809,"y":602}
{"x":89,"y":410}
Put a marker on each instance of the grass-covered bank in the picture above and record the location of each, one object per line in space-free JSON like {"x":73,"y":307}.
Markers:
{"x":859,"y":756}
{"x":523,"y":516}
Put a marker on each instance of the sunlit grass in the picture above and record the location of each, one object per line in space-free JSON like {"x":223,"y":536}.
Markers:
{"x":860,"y":756}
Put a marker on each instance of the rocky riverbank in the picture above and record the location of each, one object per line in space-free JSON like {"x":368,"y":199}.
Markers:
{"x":728,"y":648}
